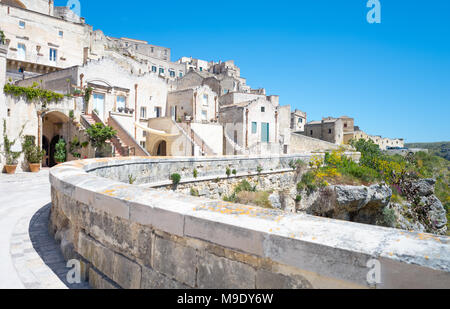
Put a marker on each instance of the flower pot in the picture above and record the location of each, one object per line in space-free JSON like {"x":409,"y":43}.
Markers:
{"x":10,"y":169}
{"x":35,"y":167}
{"x":59,"y":162}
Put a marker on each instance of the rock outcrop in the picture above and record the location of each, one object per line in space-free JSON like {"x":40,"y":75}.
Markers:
{"x":423,"y":211}
{"x":351,"y":203}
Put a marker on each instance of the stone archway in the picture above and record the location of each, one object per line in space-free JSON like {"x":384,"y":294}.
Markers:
{"x":55,"y":125}
{"x":161,"y":149}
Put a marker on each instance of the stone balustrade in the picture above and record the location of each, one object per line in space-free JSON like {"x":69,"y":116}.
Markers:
{"x":129,"y":236}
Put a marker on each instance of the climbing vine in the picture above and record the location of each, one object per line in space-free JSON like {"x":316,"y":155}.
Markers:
{"x":33,"y":93}
{"x":87,"y":94}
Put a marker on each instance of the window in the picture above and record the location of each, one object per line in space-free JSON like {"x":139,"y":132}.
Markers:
{"x":205,"y":100}
{"x":300,"y":120}
{"x":61,"y":34}
{"x":329,"y":131}
{"x":172,"y":73}
{"x":161,"y":71}
{"x":254,"y":127}
{"x":142,"y":143}
{"x":201,"y":69}
{"x":158,"y":112}
{"x":21,"y":51}
{"x":53,"y":54}
{"x":21,"y":24}
{"x":345,"y":125}
{"x":204,"y":115}
{"x":153,"y":69}
{"x":181,"y":74}
{"x":263,"y":109}
{"x":311,"y":132}
{"x":120,"y":102}
{"x":226,"y":91}
{"x":143,"y":112}
{"x":144,"y":133}
{"x":152,"y":49}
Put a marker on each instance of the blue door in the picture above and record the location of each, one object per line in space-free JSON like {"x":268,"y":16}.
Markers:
{"x":264,"y":132}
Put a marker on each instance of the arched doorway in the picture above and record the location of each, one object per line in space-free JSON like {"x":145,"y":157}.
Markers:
{"x":55,"y":125}
{"x":161,"y":150}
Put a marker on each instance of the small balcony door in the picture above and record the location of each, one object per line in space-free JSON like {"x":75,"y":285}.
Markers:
{"x":264,"y":132}
{"x":99,"y":105}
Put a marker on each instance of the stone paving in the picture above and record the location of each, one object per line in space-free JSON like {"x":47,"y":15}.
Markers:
{"x":29,"y":256}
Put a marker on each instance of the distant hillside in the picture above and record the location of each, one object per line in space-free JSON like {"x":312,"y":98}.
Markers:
{"x":441,"y":149}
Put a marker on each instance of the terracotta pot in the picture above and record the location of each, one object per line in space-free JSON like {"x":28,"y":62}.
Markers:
{"x":35,"y":167}
{"x":10,"y":169}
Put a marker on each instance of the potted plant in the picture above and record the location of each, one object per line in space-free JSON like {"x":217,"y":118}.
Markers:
{"x":10,"y":155}
{"x":33,"y":154}
{"x":60,"y":151}
{"x":120,"y":109}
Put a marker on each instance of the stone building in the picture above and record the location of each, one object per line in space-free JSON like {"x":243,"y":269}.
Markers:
{"x":251,"y":127}
{"x":333,"y":130}
{"x":384,"y":142}
{"x":42,"y":38}
{"x":298,"y":121}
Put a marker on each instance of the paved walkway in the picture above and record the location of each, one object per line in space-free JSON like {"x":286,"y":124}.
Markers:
{"x":29,"y":257}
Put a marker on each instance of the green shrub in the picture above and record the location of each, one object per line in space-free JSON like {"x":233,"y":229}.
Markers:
{"x":195,"y":173}
{"x":33,"y":153}
{"x":131,"y":179}
{"x":259,"y":169}
{"x":308,"y":182}
{"x":228,"y":172}
{"x":71,"y":114}
{"x":60,"y":151}
{"x":194,"y":192}
{"x":387,"y":218}
{"x":176,"y":178}
{"x":298,"y":198}
{"x":234,"y":172}
{"x":99,"y":134}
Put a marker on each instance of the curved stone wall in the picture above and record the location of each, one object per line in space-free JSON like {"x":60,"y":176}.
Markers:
{"x":129,"y":236}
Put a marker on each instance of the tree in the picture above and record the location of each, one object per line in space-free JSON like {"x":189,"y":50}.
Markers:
{"x":99,"y":134}
{"x":60,"y":151}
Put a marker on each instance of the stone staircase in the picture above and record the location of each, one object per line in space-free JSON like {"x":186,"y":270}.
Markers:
{"x":125,"y":140}
{"x":195,"y":139}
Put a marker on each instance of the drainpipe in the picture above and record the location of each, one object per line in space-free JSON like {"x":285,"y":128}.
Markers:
{"x":246,"y":128}
{"x":276,"y":126}
{"x":194,"y":107}
{"x":135,"y":109}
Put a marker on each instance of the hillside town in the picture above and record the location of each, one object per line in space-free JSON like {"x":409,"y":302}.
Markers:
{"x":125,"y":168}
{"x":157,"y":106}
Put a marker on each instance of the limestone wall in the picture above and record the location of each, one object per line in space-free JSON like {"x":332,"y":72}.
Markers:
{"x":133,"y":237}
{"x":302,"y":143}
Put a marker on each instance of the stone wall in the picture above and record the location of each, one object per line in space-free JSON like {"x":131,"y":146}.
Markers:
{"x":134,"y":237}
{"x":302,"y":143}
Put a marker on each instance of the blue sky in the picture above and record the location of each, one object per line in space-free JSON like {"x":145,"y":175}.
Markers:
{"x":320,"y":56}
